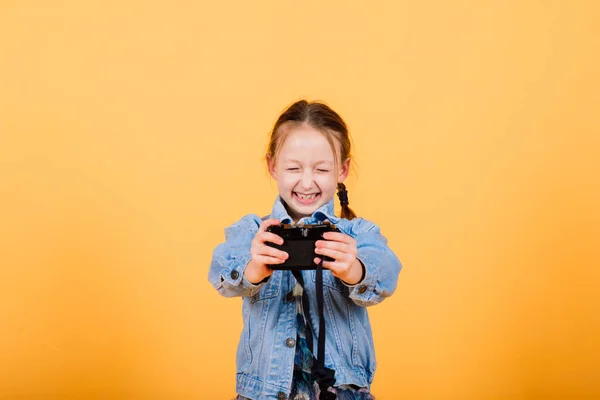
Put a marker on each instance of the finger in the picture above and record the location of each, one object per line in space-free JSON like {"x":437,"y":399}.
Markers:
{"x":338,"y":237}
{"x":268,"y":222}
{"x":317,"y":260}
{"x":266,"y":260}
{"x":269,"y":237}
{"x":340,"y":246}
{"x":335,"y":254}
{"x":330,"y":265}
{"x":265,"y":250}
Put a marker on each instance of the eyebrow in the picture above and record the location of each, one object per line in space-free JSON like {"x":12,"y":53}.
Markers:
{"x":317,"y":163}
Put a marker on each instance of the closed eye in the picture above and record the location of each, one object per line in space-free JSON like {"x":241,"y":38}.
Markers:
{"x":323,"y":170}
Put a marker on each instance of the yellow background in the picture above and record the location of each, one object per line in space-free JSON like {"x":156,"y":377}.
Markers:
{"x":132,"y":133}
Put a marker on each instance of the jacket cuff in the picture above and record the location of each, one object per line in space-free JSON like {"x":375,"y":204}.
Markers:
{"x":364,"y":291}
{"x":233,"y":276}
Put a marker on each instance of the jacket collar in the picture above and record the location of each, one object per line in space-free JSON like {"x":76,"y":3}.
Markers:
{"x":326,"y":211}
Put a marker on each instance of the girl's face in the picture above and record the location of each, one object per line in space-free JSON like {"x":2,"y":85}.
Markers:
{"x":305,"y":171}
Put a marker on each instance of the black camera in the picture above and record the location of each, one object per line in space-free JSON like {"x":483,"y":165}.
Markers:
{"x":299,"y":243}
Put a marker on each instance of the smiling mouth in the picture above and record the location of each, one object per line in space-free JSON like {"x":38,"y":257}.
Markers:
{"x":306,"y":198}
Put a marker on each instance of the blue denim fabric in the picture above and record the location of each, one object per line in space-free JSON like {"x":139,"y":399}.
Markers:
{"x":265,"y":362}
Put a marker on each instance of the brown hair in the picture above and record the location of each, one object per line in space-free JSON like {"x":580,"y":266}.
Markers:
{"x":321,"y":117}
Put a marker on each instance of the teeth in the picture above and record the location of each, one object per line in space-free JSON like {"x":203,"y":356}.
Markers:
{"x":307,"y":197}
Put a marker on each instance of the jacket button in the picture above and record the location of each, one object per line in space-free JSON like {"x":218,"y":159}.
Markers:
{"x":235,"y":274}
{"x":289,"y":342}
{"x":281,"y":396}
{"x":289,"y":296}
{"x":362,"y":289}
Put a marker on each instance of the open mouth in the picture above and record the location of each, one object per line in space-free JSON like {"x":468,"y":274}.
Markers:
{"x":307,"y":198}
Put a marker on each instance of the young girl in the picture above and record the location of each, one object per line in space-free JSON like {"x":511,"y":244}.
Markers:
{"x":309,"y":157}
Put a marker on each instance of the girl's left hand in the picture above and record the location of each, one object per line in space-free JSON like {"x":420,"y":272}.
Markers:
{"x":342,"y":248}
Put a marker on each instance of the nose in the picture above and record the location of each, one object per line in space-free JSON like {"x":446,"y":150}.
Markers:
{"x":306,"y":181}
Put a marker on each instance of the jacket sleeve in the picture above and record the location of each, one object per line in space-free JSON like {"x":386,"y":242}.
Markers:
{"x":382,"y":266}
{"x":230,"y":258}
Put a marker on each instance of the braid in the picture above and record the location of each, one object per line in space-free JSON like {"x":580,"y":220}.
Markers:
{"x":347,"y":212}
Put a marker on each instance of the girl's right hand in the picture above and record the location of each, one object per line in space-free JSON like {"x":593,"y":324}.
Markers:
{"x":264,"y":255}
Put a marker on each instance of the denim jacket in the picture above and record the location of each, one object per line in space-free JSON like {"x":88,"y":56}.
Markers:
{"x":265,"y":354}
